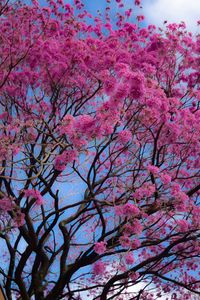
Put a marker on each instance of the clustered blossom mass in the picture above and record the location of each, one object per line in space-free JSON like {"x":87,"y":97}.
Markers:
{"x":99,"y":154}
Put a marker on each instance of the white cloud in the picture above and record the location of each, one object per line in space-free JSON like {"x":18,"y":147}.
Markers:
{"x":157,"y":11}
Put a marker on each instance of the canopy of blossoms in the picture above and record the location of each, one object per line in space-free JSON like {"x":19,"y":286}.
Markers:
{"x":114,"y":106}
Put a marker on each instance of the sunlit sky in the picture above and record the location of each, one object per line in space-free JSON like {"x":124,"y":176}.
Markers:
{"x":157,"y":11}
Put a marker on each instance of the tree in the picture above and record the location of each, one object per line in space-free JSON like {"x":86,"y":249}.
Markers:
{"x":100,"y":180}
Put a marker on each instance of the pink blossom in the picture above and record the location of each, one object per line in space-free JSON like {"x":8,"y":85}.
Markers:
{"x":128,"y":12}
{"x":86,"y":125}
{"x":59,"y":163}
{"x":67,"y":126}
{"x":124,"y":136}
{"x":19,"y":219}
{"x":35,"y":194}
{"x":99,"y":268}
{"x":140,"y":18}
{"x":127,"y":209}
{"x":5,"y":204}
{"x":128,"y":229}
{"x":146,"y":190}
{"x":130,"y":210}
{"x":129,"y":259}
{"x":63,"y":159}
{"x":183,"y":225}
{"x":122,"y":267}
{"x":109,"y":85}
{"x":134,"y":276}
{"x":15,"y":150}
{"x":121,"y":68}
{"x":121,"y":93}
{"x":175,"y":188}
{"x":108,"y":129}
{"x":137,"y":227}
{"x":153,"y":169}
{"x":100,"y":247}
{"x":4,"y":115}
{"x":165,"y":178}
{"x":125,"y":241}
{"x":135,"y":244}
{"x":181,"y":200}
{"x":196,"y":216}
{"x":137,"y":2}
{"x":119,"y":210}
{"x":136,"y":80}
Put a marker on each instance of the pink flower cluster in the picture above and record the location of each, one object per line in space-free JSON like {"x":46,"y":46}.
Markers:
{"x":124,"y":136}
{"x":128,"y":209}
{"x":34,"y":194}
{"x":107,"y":116}
{"x":63,"y":159}
{"x":134,"y":228}
{"x":153,"y":169}
{"x":129,"y":229}
{"x":67,"y":125}
{"x":19,"y":219}
{"x":121,"y":93}
{"x":99,"y":268}
{"x":183,"y":225}
{"x":100,"y":247}
{"x":6,"y":204}
{"x":135,"y":244}
{"x":181,"y":199}
{"x":146,"y":190}
{"x":125,"y":241}
{"x":136,"y":81}
{"x":134,"y":276}
{"x":196,"y":216}
{"x":165,"y":178}
{"x":85,"y":124}
{"x":137,"y":2}
{"x":129,"y":259}
{"x":109,"y":85}
{"x":137,"y":227}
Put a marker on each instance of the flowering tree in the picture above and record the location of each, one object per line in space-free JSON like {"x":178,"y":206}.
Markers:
{"x":112,"y":113}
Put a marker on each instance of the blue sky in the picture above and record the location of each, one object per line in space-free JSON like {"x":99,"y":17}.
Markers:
{"x":155,"y":11}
